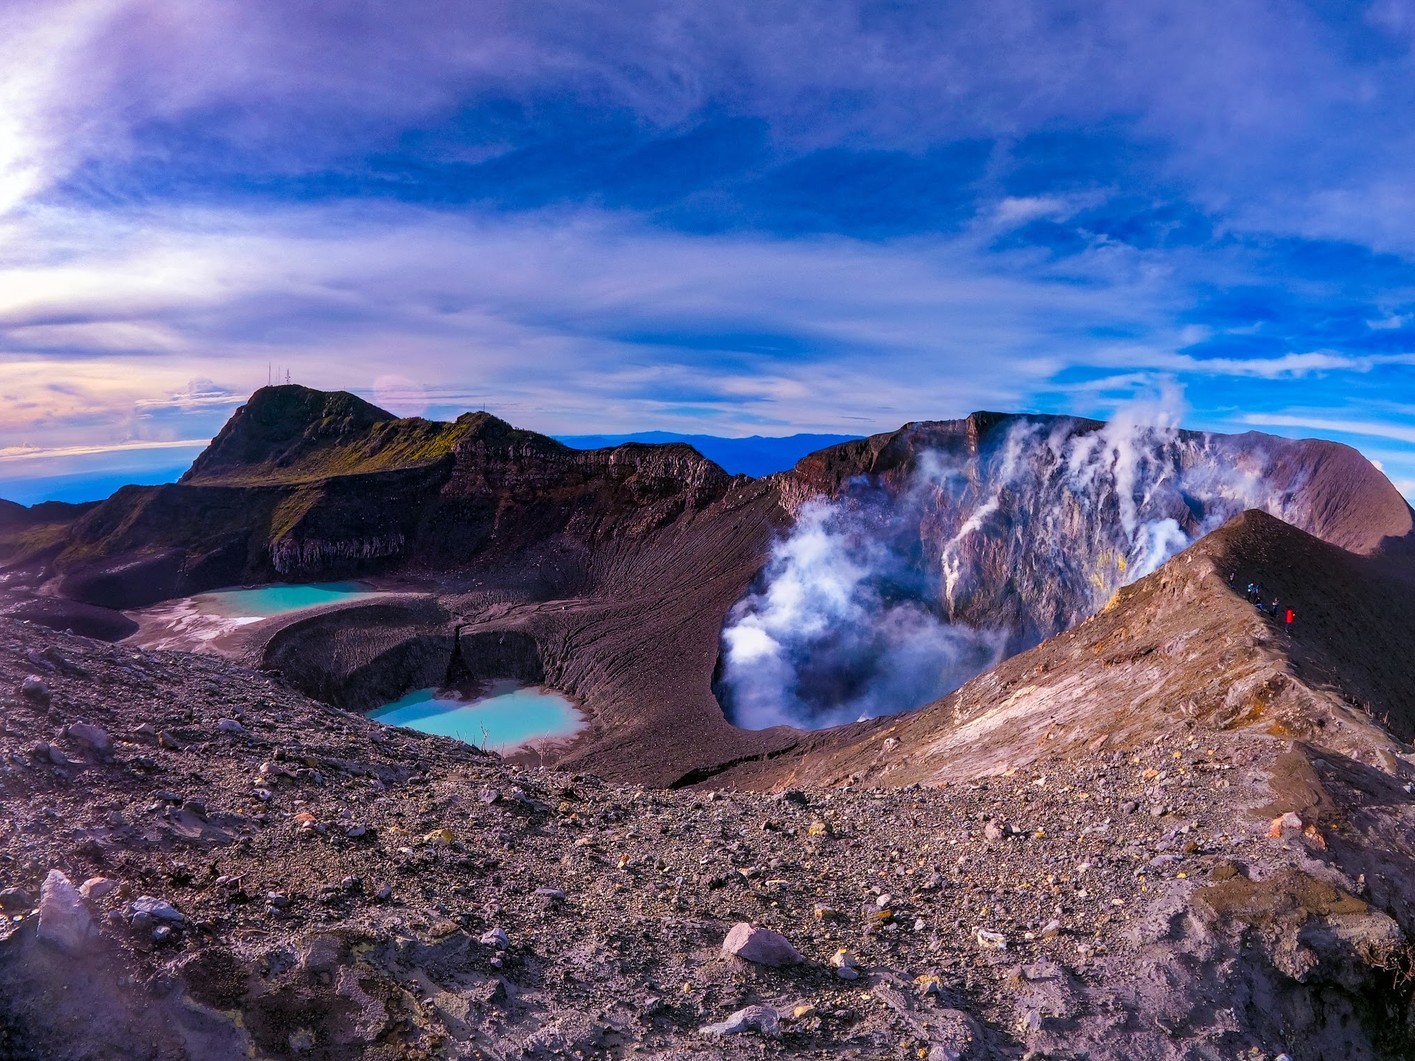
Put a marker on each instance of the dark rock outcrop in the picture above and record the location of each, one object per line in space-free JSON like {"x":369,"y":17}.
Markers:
{"x":102,"y":624}
{"x":361,"y":657}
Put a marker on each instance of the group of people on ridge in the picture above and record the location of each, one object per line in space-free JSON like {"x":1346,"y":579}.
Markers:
{"x":1255,"y":597}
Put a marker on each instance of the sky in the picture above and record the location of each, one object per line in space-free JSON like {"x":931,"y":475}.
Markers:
{"x":745,"y":217}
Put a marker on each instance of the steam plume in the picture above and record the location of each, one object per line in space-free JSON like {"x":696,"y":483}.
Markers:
{"x":887,"y":597}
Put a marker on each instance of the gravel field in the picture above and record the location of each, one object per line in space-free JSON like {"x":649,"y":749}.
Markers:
{"x":269,"y":876}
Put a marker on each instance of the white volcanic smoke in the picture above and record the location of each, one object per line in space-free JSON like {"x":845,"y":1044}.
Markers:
{"x":886,"y":598}
{"x":835,"y":634}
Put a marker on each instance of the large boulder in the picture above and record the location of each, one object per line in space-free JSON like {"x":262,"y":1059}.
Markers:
{"x":64,"y":920}
{"x":760,"y":945}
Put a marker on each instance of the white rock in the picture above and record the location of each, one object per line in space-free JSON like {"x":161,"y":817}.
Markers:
{"x":843,"y":959}
{"x":496,"y":937}
{"x":845,"y":965}
{"x":759,"y":945}
{"x":990,"y":940}
{"x":754,"y":1018}
{"x":229,"y":725}
{"x":64,"y":921}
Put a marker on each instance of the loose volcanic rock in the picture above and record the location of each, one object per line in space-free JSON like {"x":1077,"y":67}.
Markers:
{"x":761,"y":946}
{"x":34,"y":690}
{"x":96,"y":888}
{"x":761,"y":1019}
{"x":94,"y":737}
{"x":158,"y":909}
{"x":16,"y":899}
{"x":575,"y":914}
{"x":845,"y":965}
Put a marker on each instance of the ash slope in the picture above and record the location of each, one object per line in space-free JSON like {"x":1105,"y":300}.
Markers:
{"x":1145,"y":909}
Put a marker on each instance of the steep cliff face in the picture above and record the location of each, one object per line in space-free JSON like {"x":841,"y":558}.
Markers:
{"x":509,"y":490}
{"x":921,"y":558}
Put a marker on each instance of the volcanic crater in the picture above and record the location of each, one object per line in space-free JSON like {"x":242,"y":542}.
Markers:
{"x":1128,"y":813}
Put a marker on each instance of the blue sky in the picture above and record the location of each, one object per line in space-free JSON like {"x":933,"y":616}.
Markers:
{"x":738,"y":218}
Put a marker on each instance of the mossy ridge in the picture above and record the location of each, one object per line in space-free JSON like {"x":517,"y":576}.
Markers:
{"x":293,"y":435}
{"x":389,"y":446}
{"x":291,"y":509}
{"x":27,"y":534}
{"x":20,"y":545}
{"x":148,"y":517}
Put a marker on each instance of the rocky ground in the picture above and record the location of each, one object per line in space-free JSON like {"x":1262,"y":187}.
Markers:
{"x":263,"y":875}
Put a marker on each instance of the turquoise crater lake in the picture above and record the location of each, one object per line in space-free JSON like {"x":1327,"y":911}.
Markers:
{"x":264,"y":602}
{"x":209,"y":621}
{"x":509,"y":716}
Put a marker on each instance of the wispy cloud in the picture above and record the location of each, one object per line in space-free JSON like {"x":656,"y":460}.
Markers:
{"x":61,"y":452}
{"x":1328,"y":425}
{"x":621,"y":321}
{"x":1287,"y":366}
{"x":731,"y":217}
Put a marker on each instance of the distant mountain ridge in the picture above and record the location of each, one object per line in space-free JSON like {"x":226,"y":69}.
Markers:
{"x":754,"y":455}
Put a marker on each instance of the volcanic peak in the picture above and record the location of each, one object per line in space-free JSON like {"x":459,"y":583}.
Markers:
{"x":283,"y":426}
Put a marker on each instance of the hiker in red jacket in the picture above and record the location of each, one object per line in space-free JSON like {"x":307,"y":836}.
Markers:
{"x":1287,"y":618}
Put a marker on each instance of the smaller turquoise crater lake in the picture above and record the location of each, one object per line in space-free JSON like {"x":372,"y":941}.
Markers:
{"x":263,"y":602}
{"x":507,"y":717}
